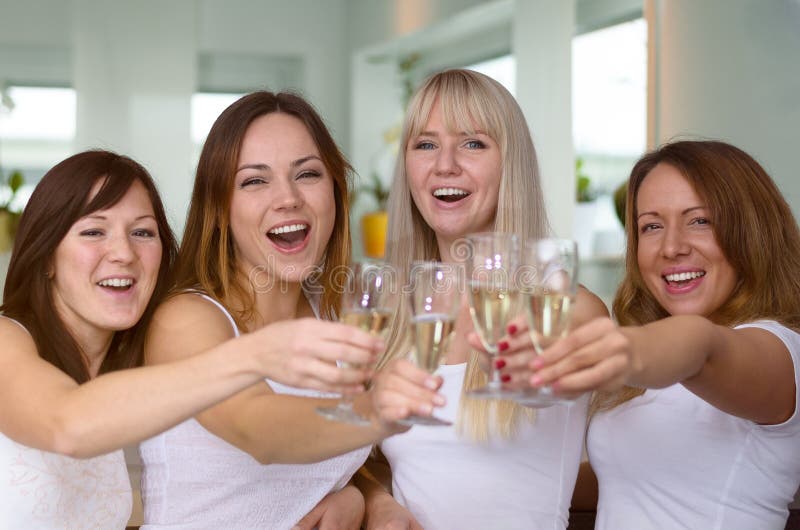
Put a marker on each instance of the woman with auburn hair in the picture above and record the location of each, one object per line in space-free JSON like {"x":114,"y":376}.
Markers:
{"x":267,"y":232}
{"x":468,"y":164}
{"x":709,"y":314}
{"x":92,"y":258}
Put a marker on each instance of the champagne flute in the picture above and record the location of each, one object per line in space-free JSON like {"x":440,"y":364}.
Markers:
{"x":434,"y":301}
{"x":493,"y":297}
{"x":369,"y":301}
{"x":549,"y":296}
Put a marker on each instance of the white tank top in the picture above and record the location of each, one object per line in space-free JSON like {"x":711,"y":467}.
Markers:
{"x":668,"y":459}
{"x":195,"y":480}
{"x":523,"y":483}
{"x":40,"y":490}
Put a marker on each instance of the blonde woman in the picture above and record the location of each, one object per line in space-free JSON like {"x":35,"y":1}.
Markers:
{"x":467,"y":165}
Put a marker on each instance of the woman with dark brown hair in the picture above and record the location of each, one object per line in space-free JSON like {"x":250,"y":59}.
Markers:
{"x":709,"y":314}
{"x":267,"y":232}
{"x":92,"y":258}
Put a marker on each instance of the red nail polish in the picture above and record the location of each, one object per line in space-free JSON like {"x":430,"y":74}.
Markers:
{"x":502,"y":345}
{"x":512,"y":329}
{"x":505,"y":378}
{"x":537,"y":363}
{"x":499,"y":363}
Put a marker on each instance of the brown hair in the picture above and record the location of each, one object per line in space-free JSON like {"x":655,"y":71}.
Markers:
{"x":206,"y":259}
{"x":753,"y":225}
{"x":59,"y":200}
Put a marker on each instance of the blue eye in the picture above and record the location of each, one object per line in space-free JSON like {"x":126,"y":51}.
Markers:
{"x":475,"y":144}
{"x":424,"y":145}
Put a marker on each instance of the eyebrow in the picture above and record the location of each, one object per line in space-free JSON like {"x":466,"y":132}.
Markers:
{"x":687,"y":210}
{"x":462,"y":133}
{"x":265,"y":167}
{"x":105,"y":217}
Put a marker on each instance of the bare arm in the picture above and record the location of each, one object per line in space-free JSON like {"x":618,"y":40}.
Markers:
{"x":374,"y":479}
{"x":42,"y":407}
{"x":715,"y":362}
{"x":258,"y":421}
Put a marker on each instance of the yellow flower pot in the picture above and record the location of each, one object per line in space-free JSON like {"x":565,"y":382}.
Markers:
{"x":373,"y":232}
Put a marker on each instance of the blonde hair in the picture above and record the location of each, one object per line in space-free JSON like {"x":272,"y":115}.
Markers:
{"x":468,"y":100}
{"x":753,"y":225}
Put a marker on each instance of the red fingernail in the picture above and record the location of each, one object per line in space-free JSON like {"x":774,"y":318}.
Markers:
{"x":536,"y":381}
{"x":512,"y":329}
{"x":499,"y":363}
{"x":505,"y":378}
{"x":502,"y":345}
{"x":537,"y":363}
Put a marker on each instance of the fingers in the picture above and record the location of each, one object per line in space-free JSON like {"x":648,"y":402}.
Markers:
{"x":311,"y":520}
{"x":402,"y":389}
{"x":595,"y":357}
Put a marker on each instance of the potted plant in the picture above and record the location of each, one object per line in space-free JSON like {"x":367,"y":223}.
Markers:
{"x":8,"y":218}
{"x":585,"y":210}
{"x":374,"y":223}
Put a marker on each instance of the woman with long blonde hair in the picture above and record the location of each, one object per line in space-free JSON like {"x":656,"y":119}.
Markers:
{"x":467,"y":164}
{"x":706,"y":434}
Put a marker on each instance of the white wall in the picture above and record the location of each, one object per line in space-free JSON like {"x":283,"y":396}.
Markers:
{"x":730,"y":70}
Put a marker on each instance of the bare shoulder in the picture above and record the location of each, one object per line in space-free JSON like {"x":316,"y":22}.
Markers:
{"x":15,"y":342}
{"x":588,"y":307}
{"x":185,"y":325}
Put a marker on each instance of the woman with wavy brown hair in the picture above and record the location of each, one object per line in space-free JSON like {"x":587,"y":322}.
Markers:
{"x":266,"y":234}
{"x":92,"y":259}
{"x":706,"y":433}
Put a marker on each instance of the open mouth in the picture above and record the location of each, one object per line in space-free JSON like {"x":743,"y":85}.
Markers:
{"x":116,"y":284}
{"x":450,"y":194}
{"x":682,"y":278}
{"x":288,"y":236}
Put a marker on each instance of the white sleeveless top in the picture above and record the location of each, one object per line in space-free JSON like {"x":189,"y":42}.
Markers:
{"x":40,"y":490}
{"x":525,"y":482}
{"x":195,"y":480}
{"x":668,"y":459}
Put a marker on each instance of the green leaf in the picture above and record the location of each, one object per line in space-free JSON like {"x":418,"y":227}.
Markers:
{"x":16,"y":181}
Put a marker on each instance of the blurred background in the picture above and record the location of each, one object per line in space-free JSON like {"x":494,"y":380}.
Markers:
{"x":600,"y":82}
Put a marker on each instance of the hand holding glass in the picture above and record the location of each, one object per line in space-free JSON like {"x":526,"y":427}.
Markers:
{"x":369,"y":301}
{"x":549,"y":293}
{"x":493,"y":297}
{"x":434,"y":300}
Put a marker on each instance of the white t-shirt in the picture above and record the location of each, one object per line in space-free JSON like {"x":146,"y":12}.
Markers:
{"x":194,"y":480}
{"x":668,"y":459}
{"x":525,"y":483}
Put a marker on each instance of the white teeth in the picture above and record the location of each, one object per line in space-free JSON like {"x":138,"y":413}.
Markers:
{"x":443,"y":192}
{"x":115,"y":282}
{"x":288,"y":228}
{"x":683,"y":276}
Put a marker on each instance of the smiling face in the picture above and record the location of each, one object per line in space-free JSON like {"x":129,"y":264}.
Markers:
{"x":282,"y":208}
{"x":105,"y":269}
{"x":679,"y":257}
{"x":454,"y":178}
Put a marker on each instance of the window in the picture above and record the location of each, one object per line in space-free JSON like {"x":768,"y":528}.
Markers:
{"x":37,"y":130}
{"x":206,"y":108}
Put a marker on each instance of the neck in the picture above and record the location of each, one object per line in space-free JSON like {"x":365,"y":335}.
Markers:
{"x":445,"y":245}
{"x":94,"y":346}
{"x":282,"y":301}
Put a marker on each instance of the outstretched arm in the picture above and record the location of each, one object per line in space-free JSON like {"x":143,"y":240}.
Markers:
{"x":715,"y":362}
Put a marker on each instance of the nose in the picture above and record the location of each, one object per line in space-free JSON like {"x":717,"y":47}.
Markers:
{"x":447,"y":161}
{"x":674,"y":243}
{"x":120,"y":249}
{"x":288,"y":196}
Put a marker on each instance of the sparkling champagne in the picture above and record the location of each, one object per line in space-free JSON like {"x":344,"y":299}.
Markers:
{"x":491,"y":308}
{"x":432,"y":335}
{"x":548,"y":316}
{"x":373,"y":321}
